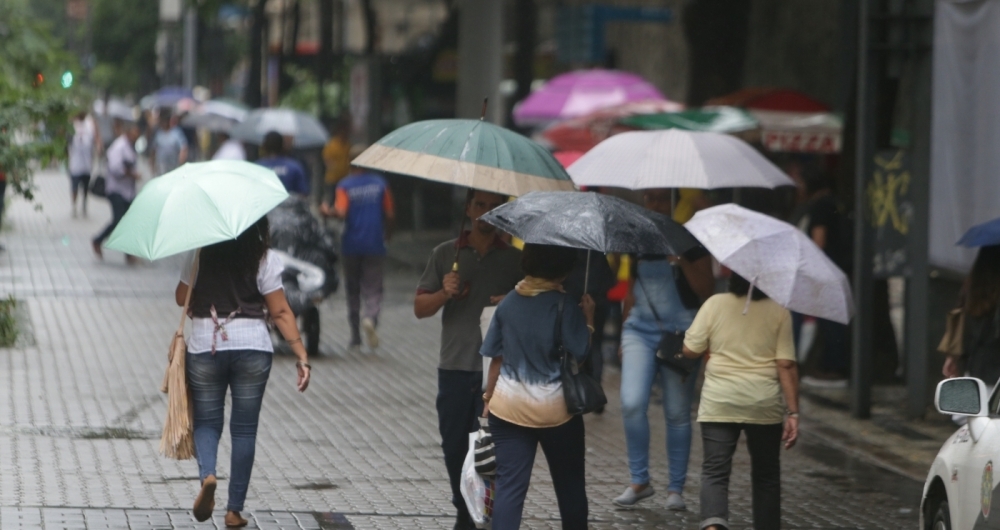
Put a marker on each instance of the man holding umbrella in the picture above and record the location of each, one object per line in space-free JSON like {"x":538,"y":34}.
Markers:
{"x":463,"y":276}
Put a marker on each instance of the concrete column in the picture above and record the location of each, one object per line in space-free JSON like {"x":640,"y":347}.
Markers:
{"x":480,"y":58}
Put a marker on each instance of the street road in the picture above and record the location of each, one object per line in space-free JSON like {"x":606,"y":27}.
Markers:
{"x":80,"y":413}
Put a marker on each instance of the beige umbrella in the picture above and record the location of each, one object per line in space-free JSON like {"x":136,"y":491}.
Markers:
{"x":177,"y":440}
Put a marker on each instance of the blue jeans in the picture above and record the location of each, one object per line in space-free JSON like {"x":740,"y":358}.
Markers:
{"x":564,"y":450}
{"x":246,"y":373}
{"x":639,"y":370}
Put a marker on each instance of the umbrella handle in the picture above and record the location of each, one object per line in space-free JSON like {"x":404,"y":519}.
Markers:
{"x":586,"y":274}
{"x":482,"y":116}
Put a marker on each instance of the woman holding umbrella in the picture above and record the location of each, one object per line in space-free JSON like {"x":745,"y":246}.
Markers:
{"x":664,"y":299}
{"x":230,"y":346}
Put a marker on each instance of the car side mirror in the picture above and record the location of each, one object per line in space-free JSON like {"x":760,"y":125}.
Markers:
{"x":962,"y":396}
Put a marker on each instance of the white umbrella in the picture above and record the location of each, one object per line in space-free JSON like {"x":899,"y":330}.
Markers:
{"x":777,"y":258}
{"x":675,"y":159}
{"x":305,"y":130}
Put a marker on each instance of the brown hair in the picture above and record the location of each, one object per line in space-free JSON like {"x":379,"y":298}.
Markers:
{"x":983,"y":291}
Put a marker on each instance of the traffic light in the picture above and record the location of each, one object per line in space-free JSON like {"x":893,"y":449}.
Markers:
{"x":38,"y":79}
{"x":67,"y":79}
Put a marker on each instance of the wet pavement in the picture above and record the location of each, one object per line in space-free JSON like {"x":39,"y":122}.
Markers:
{"x":80,"y":414}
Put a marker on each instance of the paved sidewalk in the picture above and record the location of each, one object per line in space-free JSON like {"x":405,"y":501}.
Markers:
{"x":80,"y":414}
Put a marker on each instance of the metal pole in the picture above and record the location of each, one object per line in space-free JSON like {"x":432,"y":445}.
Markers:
{"x":586,"y":274}
{"x":918,"y":284}
{"x":861,"y":340}
{"x":190,"y":46}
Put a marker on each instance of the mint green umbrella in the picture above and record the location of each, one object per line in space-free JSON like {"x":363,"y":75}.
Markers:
{"x":471,"y":153}
{"x":196,"y":205}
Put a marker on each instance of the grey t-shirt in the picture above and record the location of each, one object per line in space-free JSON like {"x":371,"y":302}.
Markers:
{"x":493,"y":274}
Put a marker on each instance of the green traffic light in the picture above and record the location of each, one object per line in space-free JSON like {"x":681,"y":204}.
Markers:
{"x":67,"y":79}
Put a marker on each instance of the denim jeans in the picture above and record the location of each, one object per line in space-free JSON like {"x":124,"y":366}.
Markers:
{"x":246,"y":373}
{"x":764,"y":446}
{"x":564,"y":450}
{"x":639,"y":370}
{"x":459,"y":404}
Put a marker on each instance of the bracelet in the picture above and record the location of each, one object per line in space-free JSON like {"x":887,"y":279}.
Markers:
{"x":792,"y":414}
{"x":486,"y":399}
{"x":591,"y":328}
{"x":290,"y":341}
{"x":303,"y":364}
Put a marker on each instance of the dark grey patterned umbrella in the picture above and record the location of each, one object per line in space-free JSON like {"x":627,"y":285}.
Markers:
{"x":590,"y":221}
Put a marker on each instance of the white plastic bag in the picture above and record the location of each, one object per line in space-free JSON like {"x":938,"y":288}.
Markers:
{"x":477,"y":491}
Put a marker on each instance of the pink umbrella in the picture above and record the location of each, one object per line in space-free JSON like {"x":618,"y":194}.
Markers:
{"x":581,"y":92}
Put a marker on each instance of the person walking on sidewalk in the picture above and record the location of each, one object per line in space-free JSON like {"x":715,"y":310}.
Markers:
{"x":751,"y":386}
{"x":230,"y":346}
{"x":364,"y":201}
{"x":290,"y":172}
{"x":981,"y":314}
{"x":120,"y":182}
{"x":487,"y":269}
{"x":524,"y":396}
{"x":170,"y":146}
{"x":80,"y":156}
{"x":664,"y":297}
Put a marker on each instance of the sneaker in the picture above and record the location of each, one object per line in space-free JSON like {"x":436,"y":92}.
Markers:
{"x":631,"y":497}
{"x":97,"y":249}
{"x":369,"y":326}
{"x":675,"y":502}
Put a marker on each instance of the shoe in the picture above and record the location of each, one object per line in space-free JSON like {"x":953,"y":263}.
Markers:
{"x":234,"y":520}
{"x":599,"y":410}
{"x":631,"y":497}
{"x":369,"y":326}
{"x":675,"y":502}
{"x":97,"y":249}
{"x":205,"y":502}
{"x":131,"y":260}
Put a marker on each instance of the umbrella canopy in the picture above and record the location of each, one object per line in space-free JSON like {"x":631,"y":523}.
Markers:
{"x":982,"y":235}
{"x":590,"y":221}
{"x":167,"y":96}
{"x":579,"y":93}
{"x":582,"y":134}
{"x":196,"y":205}
{"x":470,"y":153}
{"x":708,"y":119}
{"x":305,"y":130}
{"x":766,"y":98}
{"x":216,"y":116}
{"x":777,"y":258}
{"x":676,"y":159}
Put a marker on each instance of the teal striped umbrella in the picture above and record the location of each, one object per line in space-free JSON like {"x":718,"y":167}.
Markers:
{"x":471,"y":153}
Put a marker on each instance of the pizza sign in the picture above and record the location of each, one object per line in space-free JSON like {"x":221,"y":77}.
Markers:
{"x":801,"y":141}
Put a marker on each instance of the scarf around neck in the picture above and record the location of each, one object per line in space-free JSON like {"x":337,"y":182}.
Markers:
{"x":532,"y":286}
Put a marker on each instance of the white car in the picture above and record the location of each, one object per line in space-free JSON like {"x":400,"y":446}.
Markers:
{"x":961,"y":488}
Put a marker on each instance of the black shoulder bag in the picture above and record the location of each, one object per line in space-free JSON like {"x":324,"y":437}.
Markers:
{"x":582,"y":392}
{"x":671,"y":347}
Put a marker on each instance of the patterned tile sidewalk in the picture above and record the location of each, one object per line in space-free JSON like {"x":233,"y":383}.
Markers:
{"x":80,"y":413}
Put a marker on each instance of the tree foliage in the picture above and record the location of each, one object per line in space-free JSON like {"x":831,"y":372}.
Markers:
{"x":125,"y":45}
{"x":34,"y":108}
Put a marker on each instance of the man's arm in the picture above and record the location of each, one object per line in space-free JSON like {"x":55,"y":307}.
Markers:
{"x":818,"y":235}
{"x":389,"y":213}
{"x":428,"y":304}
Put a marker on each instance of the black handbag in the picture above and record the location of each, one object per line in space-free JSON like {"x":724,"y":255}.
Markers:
{"x":582,"y":392}
{"x":670,"y":352}
{"x":98,"y":186}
